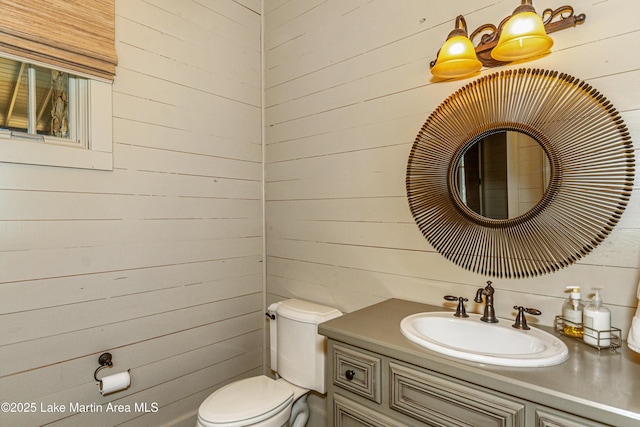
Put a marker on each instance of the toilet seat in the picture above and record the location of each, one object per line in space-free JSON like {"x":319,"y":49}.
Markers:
{"x":245,"y":402}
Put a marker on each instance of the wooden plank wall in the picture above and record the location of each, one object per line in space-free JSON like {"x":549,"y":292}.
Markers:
{"x":160,"y":261}
{"x":347,"y":89}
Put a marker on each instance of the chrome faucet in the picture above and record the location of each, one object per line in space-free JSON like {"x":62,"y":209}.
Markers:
{"x":489,"y":312}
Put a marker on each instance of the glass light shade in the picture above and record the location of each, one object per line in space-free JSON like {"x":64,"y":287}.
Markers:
{"x":523,"y":36}
{"x":457,"y":58}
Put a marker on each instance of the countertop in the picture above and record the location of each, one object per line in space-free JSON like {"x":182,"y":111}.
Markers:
{"x":602,"y":385}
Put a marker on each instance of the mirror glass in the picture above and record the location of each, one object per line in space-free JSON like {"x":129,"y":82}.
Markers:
{"x":502,"y":175}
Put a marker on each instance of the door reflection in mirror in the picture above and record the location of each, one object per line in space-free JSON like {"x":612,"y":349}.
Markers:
{"x":503,"y":175}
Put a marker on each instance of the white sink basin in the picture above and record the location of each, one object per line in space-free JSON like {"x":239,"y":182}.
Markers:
{"x":477,"y":341}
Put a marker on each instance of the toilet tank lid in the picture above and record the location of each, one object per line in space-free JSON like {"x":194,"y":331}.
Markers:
{"x":307,"y":312}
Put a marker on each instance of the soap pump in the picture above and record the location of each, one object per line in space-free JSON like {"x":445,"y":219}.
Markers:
{"x":597,"y":322}
{"x":572,"y":313}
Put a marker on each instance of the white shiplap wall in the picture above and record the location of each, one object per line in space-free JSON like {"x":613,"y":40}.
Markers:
{"x":160,"y":261}
{"x":347,"y":88}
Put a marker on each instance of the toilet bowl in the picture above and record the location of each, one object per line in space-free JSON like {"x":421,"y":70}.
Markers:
{"x":297,"y":353}
{"x":256,"y":401}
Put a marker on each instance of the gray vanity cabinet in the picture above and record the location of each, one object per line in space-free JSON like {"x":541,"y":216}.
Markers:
{"x":367,"y":389}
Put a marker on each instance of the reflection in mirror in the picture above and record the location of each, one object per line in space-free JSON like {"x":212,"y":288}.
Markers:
{"x":503,"y":175}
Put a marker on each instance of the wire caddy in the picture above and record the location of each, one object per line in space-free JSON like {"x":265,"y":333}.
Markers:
{"x":609,"y":339}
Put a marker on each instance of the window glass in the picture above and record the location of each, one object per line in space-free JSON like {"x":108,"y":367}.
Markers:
{"x":49,"y":104}
{"x":13,"y":95}
{"x":52,"y":102}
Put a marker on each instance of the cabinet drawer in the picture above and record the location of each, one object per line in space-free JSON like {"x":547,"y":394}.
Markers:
{"x":436,"y":400}
{"x":357,"y":372}
{"x":347,"y":413}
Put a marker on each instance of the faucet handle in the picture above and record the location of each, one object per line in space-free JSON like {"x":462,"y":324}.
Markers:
{"x":521,"y":321}
{"x":460,"y":310}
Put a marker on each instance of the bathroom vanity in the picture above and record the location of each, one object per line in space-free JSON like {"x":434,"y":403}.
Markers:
{"x":377,"y":377}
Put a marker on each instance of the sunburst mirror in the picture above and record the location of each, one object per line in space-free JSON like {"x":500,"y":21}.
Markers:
{"x":520,"y":173}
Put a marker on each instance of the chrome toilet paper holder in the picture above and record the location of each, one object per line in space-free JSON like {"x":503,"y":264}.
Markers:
{"x":105,"y":362}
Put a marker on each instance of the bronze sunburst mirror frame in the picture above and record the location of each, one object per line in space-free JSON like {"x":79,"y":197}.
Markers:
{"x":591,"y":173}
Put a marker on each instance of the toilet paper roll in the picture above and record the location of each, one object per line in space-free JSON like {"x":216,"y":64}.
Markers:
{"x":116,"y":382}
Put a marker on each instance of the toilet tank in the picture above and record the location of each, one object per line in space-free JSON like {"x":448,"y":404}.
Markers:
{"x":301,"y":351}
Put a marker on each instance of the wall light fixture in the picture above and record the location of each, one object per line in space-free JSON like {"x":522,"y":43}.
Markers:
{"x":521,"y":36}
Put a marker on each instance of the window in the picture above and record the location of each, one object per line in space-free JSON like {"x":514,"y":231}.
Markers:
{"x":41,"y":104}
{"x":52,"y":117}
{"x":82,"y":55}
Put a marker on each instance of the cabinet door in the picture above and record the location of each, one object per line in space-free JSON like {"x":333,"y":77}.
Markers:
{"x":347,"y":413}
{"x":438,"y":401}
{"x":551,"y":418}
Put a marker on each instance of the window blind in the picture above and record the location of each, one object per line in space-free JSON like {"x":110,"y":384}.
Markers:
{"x":75,"y":34}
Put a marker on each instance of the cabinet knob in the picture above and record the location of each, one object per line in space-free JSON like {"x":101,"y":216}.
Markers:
{"x":350,"y":374}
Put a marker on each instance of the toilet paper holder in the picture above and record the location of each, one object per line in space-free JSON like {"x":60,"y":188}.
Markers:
{"x":110,"y":384}
{"x":105,"y":362}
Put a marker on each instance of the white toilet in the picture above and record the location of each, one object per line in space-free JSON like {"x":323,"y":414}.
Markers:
{"x":297,"y":354}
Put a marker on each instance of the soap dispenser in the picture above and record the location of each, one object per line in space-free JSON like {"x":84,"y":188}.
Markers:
{"x":597,"y":322}
{"x":572,"y":313}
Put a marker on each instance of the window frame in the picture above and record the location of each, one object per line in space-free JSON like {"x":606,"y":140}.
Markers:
{"x":95,"y":122}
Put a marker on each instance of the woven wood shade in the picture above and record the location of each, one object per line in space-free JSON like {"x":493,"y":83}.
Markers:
{"x":75,"y":34}
{"x":592,"y":172}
